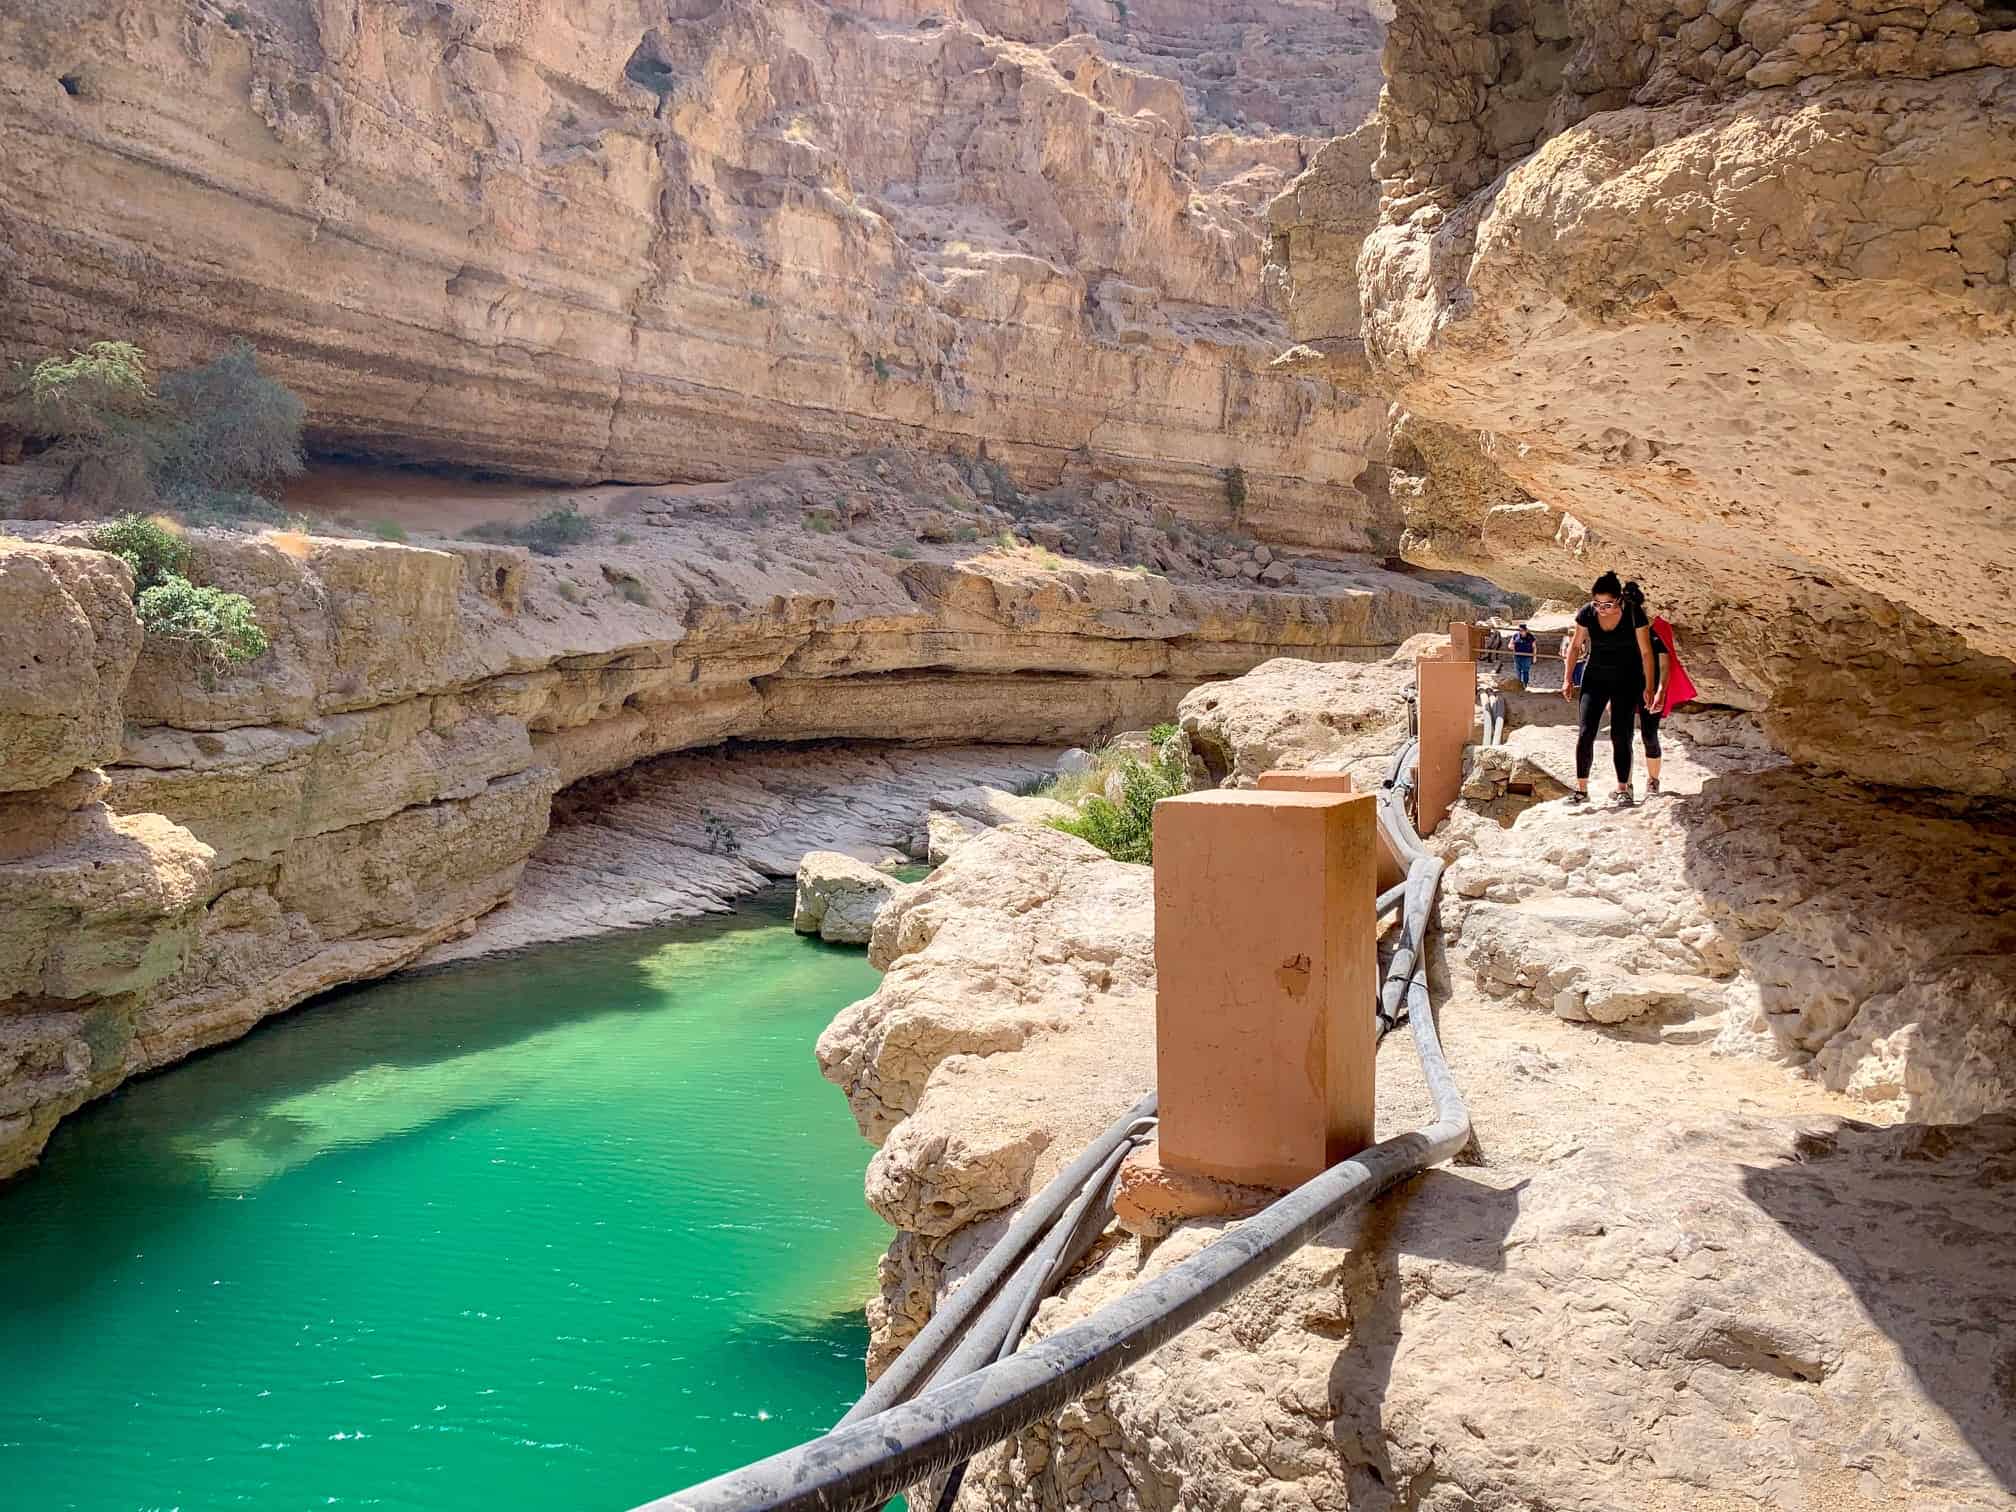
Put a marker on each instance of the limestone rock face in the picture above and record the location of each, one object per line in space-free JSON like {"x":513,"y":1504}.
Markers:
{"x":612,"y":241}
{"x":1733,"y":289}
{"x":1292,"y":713}
{"x":70,"y":645}
{"x":839,"y":897}
{"x":96,"y":909}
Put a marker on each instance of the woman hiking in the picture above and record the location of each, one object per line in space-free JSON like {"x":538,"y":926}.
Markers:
{"x":1618,"y":640}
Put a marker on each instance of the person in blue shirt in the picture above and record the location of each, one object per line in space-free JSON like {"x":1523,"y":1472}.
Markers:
{"x":1523,"y":646}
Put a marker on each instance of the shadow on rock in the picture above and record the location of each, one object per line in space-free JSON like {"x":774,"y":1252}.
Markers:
{"x":1919,"y":1221}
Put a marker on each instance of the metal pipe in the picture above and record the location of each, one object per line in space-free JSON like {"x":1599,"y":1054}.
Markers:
{"x":938,"y":1335}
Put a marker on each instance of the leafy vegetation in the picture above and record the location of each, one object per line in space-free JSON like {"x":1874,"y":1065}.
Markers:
{"x":221,"y":626}
{"x":965,"y":533}
{"x":903,"y":552}
{"x":153,"y":549}
{"x":205,"y":444}
{"x":549,"y":534}
{"x":1126,"y":830}
{"x":228,"y":426}
{"x":388,"y":530}
{"x":1161,"y":734}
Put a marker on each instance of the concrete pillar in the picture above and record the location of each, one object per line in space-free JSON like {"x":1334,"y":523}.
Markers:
{"x":1266,"y":973}
{"x":1391,"y":872}
{"x":1447,"y":709}
{"x":1465,"y":639}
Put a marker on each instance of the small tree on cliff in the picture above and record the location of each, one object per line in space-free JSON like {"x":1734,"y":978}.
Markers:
{"x":1235,"y":492}
{"x":208,"y":442}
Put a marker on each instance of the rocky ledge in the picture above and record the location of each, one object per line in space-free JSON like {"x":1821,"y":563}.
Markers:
{"x":1677,"y":1269}
{"x":376,"y":780}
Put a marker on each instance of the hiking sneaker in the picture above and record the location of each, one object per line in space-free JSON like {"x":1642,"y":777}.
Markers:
{"x":1577,"y":799}
{"x":1622,"y":799}
{"x":1651,"y":787}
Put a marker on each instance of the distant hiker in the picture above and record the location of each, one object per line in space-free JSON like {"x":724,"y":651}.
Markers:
{"x":1523,"y":647}
{"x":1618,"y":640}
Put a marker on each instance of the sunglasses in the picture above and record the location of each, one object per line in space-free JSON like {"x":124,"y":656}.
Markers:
{"x":1606,"y":603}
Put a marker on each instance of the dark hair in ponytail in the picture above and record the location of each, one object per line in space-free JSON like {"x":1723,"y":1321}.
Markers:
{"x":1608,"y":584}
{"x":1634,"y":595}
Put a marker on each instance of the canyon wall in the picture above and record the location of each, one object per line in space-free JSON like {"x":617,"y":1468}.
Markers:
{"x":189,"y":849}
{"x":646,"y":241}
{"x":1730,"y":285}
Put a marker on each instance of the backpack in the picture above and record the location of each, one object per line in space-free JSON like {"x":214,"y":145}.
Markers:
{"x":1679,"y":686}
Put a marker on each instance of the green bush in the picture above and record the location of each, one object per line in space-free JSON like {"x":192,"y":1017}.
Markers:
{"x":228,"y":426}
{"x":551,"y":534}
{"x":903,"y":552}
{"x":965,"y":533}
{"x":1126,"y":830}
{"x":221,"y":428}
{"x":220,"y":625}
{"x":1161,"y":734}
{"x":154,"y":549}
{"x":85,"y":393}
{"x":388,"y":530}
{"x":1235,"y":491}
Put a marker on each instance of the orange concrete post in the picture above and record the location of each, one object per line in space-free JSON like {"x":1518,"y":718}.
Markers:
{"x":1447,"y":692}
{"x":1391,"y":872}
{"x":1266,"y":972}
{"x":1464,"y":641}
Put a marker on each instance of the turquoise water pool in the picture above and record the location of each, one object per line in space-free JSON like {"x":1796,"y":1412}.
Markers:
{"x":568,"y":1229}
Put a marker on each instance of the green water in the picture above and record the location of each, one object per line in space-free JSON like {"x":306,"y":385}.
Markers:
{"x":566,"y":1230}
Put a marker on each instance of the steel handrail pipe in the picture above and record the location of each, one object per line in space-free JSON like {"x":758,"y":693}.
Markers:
{"x":937,"y":1336}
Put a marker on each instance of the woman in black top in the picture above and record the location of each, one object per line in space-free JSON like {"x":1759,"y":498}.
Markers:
{"x":1618,"y":640}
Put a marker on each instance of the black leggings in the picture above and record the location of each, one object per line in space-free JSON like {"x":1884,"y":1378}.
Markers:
{"x":1648,"y":730}
{"x":1624,"y":701}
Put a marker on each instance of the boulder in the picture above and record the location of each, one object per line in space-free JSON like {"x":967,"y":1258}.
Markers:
{"x":990,"y":806}
{"x":839,"y":897}
{"x":945,"y":833}
{"x":1075,"y":762}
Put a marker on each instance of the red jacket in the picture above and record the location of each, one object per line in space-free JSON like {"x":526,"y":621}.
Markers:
{"x":1679,"y":686}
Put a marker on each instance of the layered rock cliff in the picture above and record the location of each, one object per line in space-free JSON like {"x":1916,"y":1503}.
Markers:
{"x":641,"y":241}
{"x":1731,"y":285}
{"x":190,"y":850}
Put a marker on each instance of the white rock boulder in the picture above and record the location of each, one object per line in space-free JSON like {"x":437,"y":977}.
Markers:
{"x":839,"y":897}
